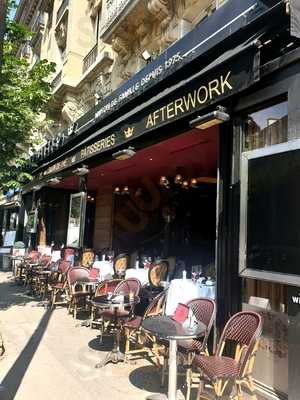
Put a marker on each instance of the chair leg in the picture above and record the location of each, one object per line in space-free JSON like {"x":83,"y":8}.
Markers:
{"x":239,"y":391}
{"x":251,"y":387}
{"x":164,"y":370}
{"x":200,"y":389}
{"x":155,"y":351}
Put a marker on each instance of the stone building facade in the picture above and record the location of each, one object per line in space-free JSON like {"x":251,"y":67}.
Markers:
{"x":99,"y":44}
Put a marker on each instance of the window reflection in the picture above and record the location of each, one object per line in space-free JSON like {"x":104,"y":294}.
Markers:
{"x":76,"y":203}
{"x":266,"y":127}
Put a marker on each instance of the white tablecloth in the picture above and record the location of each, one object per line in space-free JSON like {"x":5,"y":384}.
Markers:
{"x":182,"y":291}
{"x":106,"y":269}
{"x":139,"y":273}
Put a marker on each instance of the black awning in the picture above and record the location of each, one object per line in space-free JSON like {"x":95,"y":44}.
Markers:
{"x":229,"y":74}
{"x":295,"y":18}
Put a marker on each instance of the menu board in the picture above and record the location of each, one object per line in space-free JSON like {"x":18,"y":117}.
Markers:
{"x":273,"y":213}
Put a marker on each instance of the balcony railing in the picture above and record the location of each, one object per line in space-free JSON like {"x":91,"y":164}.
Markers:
{"x":113,"y":9}
{"x":57,"y":80}
{"x":90,"y":59}
{"x":64,"y":5}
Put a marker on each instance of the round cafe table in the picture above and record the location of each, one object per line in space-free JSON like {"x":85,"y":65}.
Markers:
{"x":114,"y":304}
{"x":166,"y":328}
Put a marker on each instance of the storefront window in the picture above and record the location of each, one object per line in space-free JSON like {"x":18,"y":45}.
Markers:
{"x":266,"y":127}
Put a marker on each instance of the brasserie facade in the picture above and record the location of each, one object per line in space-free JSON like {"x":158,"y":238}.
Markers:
{"x":195,"y":159}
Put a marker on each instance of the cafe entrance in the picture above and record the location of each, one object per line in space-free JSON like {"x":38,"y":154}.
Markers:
{"x":158,"y":204}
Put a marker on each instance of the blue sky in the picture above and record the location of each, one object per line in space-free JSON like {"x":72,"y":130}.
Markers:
{"x":12,"y":13}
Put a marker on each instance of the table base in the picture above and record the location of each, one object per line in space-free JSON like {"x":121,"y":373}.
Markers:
{"x":114,"y":356}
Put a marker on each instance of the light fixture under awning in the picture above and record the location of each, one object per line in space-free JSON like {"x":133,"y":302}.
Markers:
{"x":213,"y":118}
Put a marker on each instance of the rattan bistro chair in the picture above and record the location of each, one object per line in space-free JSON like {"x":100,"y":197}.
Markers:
{"x":121,"y":263}
{"x":40,"y":280}
{"x":142,"y":341}
{"x":244,"y":330}
{"x":58,"y":283}
{"x":77,"y":292}
{"x":205,"y":312}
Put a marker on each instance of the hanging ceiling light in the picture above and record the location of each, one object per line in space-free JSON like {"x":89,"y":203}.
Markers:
{"x":178,"y":179}
{"x":185,"y":184}
{"x":125,"y":190}
{"x":194,"y":183}
{"x":163,"y":181}
{"x":117,"y":190}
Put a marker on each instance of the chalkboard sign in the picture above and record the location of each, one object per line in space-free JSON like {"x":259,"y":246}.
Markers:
{"x":270,"y":213}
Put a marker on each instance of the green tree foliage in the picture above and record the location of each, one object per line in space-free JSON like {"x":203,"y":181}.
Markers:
{"x":24,"y":94}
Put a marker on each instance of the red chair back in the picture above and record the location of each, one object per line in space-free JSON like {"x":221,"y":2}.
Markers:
{"x":67,"y":253}
{"x":205,"y":311}
{"x":107,"y":287}
{"x":94,"y":273}
{"x":64,"y":266}
{"x":78,"y":274}
{"x":34,"y":255}
{"x":127,"y":286}
{"x":46,"y":261}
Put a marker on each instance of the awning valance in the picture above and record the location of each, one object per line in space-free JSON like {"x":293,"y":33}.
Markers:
{"x":229,"y":74}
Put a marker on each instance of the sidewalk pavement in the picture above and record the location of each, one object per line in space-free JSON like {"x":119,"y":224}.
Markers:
{"x":48,"y":356}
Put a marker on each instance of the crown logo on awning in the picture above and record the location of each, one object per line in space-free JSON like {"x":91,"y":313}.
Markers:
{"x":128,"y":132}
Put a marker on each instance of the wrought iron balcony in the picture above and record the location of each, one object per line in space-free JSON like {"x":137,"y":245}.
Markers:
{"x":90,"y":58}
{"x":63,"y":7}
{"x":114,"y":8}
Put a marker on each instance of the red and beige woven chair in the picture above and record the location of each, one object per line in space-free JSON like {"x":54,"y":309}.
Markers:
{"x":32,"y":259}
{"x":204,"y":311}
{"x":58,"y":284}
{"x":77,"y":292}
{"x":225,"y":373}
{"x":142,"y":341}
{"x":38,"y":275}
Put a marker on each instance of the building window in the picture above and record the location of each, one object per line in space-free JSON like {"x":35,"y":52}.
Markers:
{"x":266,"y":127}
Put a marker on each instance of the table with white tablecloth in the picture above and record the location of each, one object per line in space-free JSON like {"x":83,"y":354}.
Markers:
{"x":139,"y":273}
{"x":184,"y":290}
{"x":106,"y":269}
